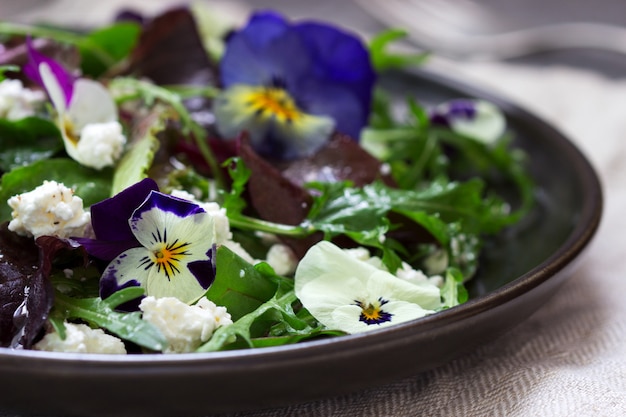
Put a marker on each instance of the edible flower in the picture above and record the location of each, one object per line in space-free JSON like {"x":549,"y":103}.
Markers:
{"x":477,"y":119}
{"x":345,"y":293}
{"x":87,"y":115}
{"x":290,"y":86}
{"x":165,"y":245}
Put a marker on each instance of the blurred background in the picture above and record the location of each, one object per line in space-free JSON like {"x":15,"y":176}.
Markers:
{"x":442,"y":26}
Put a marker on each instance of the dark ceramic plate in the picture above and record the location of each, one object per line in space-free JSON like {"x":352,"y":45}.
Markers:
{"x":520,"y":273}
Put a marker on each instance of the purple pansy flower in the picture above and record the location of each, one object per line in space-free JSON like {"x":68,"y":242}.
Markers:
{"x":291,"y":85}
{"x":162,"y":243}
{"x":87,"y":114}
{"x":477,"y":119}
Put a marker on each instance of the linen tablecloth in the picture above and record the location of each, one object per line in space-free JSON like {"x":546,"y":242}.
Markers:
{"x":569,"y":358}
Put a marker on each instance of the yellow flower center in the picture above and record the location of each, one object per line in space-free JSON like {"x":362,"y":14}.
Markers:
{"x":168,"y":257}
{"x":373,"y":313}
{"x":272,"y":101}
{"x":68,"y":129}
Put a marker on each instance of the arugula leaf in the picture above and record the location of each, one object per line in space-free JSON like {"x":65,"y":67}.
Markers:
{"x":138,"y":158}
{"x":345,"y":208}
{"x":101,"y":313}
{"x":126,"y":88}
{"x":27,"y":140}
{"x":91,"y":185}
{"x":453,"y":292}
{"x":233,"y":201}
{"x":384,"y":60}
{"x":253,"y":329}
{"x":239,"y":286}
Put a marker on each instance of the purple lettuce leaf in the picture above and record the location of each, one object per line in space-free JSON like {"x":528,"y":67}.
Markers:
{"x":18,"y":258}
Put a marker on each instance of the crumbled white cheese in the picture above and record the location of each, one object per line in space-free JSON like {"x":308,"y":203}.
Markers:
{"x":282,"y":259}
{"x":17,"y":102}
{"x":239,"y":250}
{"x":436,"y":262}
{"x":50,"y":209}
{"x":407,"y":273}
{"x":100,"y":144}
{"x":80,"y":338}
{"x":385,"y":169}
{"x":363,"y":254}
{"x":360,"y":253}
{"x":222,"y":225}
{"x":185,"y":327}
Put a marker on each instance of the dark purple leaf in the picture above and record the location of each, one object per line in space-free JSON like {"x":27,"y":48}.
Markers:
{"x":18,"y":263}
{"x":170,"y":51}
{"x":40,"y":295}
{"x":276,"y":198}
{"x":339,"y":160}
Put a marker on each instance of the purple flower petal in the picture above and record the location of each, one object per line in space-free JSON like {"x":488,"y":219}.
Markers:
{"x":109,"y":286}
{"x":106,"y":250}
{"x":261,"y":54}
{"x":109,"y":220}
{"x":325,"y":70}
{"x":205,"y":271}
{"x":110,"y":217}
{"x":165,"y":202}
{"x":31,"y":69}
{"x":478,"y":119}
{"x":341,"y":58}
{"x":453,"y":109}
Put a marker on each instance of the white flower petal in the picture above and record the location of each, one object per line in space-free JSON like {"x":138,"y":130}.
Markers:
{"x":53,"y":88}
{"x":91,"y":103}
{"x":129,"y":266}
{"x":348,"y":294}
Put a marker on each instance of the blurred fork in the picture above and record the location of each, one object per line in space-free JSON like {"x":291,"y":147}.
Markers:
{"x":464,"y":29}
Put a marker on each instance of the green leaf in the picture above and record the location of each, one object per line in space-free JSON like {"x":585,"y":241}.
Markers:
{"x":233,"y":201}
{"x":101,"y":313}
{"x":91,"y":185}
{"x":25,"y":141}
{"x":252,"y":330}
{"x":384,"y":60}
{"x":239,"y":286}
{"x":7,"y":68}
{"x":453,"y":291}
{"x":138,"y":158}
{"x":127,"y":88}
{"x":106,"y":47}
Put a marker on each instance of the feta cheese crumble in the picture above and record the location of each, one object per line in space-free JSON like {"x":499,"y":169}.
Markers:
{"x":282,"y":259}
{"x":100,"y":144}
{"x":17,"y":102}
{"x":185,"y":327}
{"x":406,"y":272}
{"x":222,"y":226}
{"x":50,"y":209}
{"x":80,"y":338}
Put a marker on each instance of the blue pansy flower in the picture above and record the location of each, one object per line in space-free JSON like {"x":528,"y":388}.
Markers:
{"x":154,"y":240}
{"x":290,"y":86}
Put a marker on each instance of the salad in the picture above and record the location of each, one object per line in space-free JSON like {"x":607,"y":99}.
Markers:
{"x":174,"y":184}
